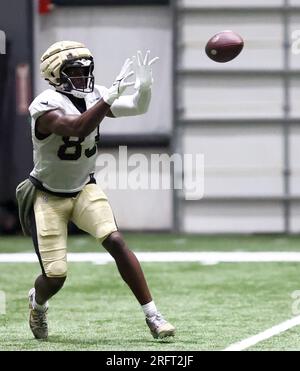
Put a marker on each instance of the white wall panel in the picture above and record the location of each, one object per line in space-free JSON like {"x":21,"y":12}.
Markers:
{"x":232,"y":217}
{"x":239,"y":160}
{"x":246,"y":159}
{"x":295,"y":40}
{"x":295,"y":217}
{"x":262,"y":33}
{"x":136,"y":209}
{"x":295,"y":96}
{"x":294,"y":159}
{"x":231,"y":97}
{"x":295,"y":2}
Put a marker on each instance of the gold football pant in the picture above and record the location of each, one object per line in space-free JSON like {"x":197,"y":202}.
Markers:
{"x":89,"y":211}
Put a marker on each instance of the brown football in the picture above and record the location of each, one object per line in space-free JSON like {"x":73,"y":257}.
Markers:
{"x":224,"y":46}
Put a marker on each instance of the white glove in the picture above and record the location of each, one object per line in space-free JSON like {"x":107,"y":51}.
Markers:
{"x":143,"y":71}
{"x":120,"y":84}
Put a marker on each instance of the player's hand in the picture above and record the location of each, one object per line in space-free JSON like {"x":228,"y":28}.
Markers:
{"x":143,"y":70}
{"x":120,"y":84}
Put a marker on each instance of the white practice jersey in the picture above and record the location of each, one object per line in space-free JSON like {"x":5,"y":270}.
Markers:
{"x":63,"y":164}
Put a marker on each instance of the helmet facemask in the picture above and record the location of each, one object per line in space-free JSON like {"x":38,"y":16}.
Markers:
{"x":76,"y":77}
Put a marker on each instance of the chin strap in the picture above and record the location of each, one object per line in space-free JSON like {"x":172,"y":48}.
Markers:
{"x":74,"y":93}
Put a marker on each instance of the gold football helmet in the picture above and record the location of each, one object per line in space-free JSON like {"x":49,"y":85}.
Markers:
{"x":69,"y":65}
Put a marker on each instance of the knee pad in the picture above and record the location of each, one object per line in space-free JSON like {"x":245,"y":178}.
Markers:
{"x":57,"y":269}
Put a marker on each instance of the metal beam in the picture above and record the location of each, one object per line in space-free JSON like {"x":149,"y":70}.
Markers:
{"x":238,"y":121}
{"x":237,"y":199}
{"x":135,"y":141}
{"x":176,"y":145}
{"x":286,"y":121}
{"x":230,"y":10}
{"x":193,"y":72}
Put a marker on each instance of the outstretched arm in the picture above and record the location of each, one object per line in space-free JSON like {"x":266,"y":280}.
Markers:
{"x":131,"y":105}
{"x":138,"y":103}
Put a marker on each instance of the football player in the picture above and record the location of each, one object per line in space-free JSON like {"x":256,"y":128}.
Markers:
{"x":65,"y":131}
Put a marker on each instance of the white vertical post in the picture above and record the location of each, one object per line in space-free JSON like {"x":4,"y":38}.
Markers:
{"x":2,"y":303}
{"x":2,"y":42}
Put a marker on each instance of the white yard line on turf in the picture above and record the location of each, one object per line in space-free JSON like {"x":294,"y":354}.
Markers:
{"x":200,"y":257}
{"x":275,"y":330}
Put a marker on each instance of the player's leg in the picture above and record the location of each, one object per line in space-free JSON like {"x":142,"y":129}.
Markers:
{"x":128,"y":266}
{"x":93,"y":214}
{"x":131,"y":272}
{"x":49,"y":233}
{"x":45,"y":287}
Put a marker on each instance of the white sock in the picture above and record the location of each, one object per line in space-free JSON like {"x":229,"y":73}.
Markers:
{"x":150,"y":309}
{"x":38,"y":307}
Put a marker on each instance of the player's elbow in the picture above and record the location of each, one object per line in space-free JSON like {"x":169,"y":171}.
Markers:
{"x":71,"y":130}
{"x":79,"y":129}
{"x":80,"y":132}
{"x":137,"y":111}
{"x":144,"y":109}
{"x":143,"y":103}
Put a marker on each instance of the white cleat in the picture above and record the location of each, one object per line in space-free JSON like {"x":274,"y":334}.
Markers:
{"x":37,"y":319}
{"x":159,"y":327}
